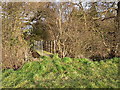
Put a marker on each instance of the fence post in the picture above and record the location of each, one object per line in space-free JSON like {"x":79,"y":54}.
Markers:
{"x":54,"y":44}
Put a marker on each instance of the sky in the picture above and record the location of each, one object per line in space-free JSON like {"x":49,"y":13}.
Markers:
{"x":58,"y":0}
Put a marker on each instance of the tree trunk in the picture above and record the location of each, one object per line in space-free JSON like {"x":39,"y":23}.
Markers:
{"x":118,"y":15}
{"x":118,"y":30}
{"x":115,"y":49}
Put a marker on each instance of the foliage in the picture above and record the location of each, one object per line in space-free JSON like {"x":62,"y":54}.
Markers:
{"x":14,"y":47}
{"x":78,"y":32}
{"x":63,"y":73}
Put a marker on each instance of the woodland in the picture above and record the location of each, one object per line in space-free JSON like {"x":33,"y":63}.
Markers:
{"x":60,"y":44}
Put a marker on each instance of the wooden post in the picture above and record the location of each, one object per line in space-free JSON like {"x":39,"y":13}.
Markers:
{"x":41,"y":46}
{"x":54,"y":44}
{"x":51,"y":47}
{"x":46,"y":45}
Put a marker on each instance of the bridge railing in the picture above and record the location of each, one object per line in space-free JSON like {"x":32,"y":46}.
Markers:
{"x":52,"y":46}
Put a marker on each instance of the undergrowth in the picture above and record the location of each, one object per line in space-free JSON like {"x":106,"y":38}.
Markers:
{"x":63,"y":73}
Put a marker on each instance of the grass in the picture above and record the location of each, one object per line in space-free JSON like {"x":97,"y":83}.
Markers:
{"x":63,"y":73}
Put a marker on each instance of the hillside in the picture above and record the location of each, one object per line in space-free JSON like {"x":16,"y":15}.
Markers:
{"x":63,"y":73}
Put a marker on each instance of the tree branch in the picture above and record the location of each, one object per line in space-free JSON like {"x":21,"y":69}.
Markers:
{"x":108,"y":18}
{"x":104,"y":18}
